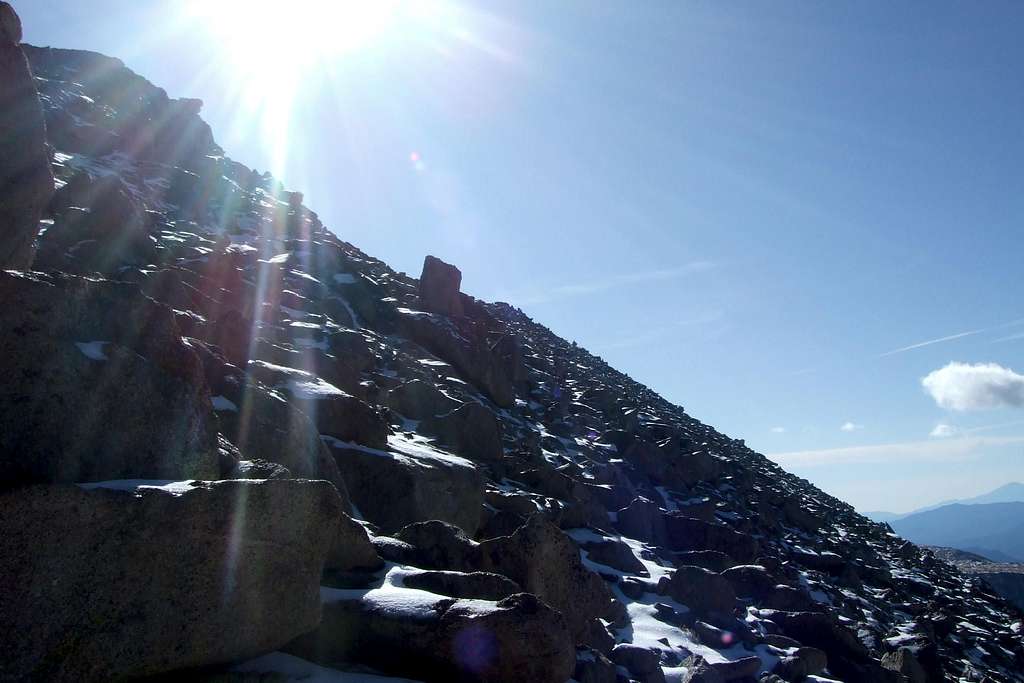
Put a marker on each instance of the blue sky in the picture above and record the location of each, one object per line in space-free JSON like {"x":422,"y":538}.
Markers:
{"x":751,"y":207}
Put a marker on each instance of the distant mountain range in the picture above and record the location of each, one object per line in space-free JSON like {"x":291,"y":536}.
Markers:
{"x":991,"y":525}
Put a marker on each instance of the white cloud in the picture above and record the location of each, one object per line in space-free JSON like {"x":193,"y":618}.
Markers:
{"x":778,"y":430}
{"x":850,"y":427}
{"x":931,"y":450}
{"x":941,"y":431}
{"x":963,"y":386}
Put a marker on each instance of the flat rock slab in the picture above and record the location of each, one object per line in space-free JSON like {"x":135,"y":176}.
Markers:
{"x":123,"y":580}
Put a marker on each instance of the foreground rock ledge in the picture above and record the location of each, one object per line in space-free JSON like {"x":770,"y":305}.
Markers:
{"x":112,"y":583}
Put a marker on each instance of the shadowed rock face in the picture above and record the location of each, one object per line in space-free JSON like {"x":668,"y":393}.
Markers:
{"x":155,"y":579}
{"x":439,"y":287}
{"x":26,"y":181}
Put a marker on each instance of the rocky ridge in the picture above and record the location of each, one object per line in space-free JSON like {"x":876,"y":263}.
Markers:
{"x":281,"y":455}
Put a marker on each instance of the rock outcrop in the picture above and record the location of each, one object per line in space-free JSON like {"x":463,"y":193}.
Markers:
{"x":131,"y":579}
{"x":26,"y":179}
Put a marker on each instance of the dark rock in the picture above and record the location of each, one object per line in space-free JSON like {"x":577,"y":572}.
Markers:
{"x":644,"y":664}
{"x":685,"y":533}
{"x":351,"y":548}
{"x":806,"y":661}
{"x":259,"y":469}
{"x":392,"y":489}
{"x":201,"y":575}
{"x":617,"y":555}
{"x":26,"y":181}
{"x":471,"y":430}
{"x":593,"y":667}
{"x":700,"y":590}
{"x":439,"y":287}
{"x":904,"y":662}
{"x":516,"y":639}
{"x":709,"y":559}
{"x":642,"y":520}
{"x":439,"y":545}
{"x":545,"y":562}
{"x":475,"y":585}
{"x":89,"y":396}
{"x":418,"y":399}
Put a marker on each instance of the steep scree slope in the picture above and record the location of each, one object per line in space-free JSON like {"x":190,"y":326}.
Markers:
{"x":526,"y":511}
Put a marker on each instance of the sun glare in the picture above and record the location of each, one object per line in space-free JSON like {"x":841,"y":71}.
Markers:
{"x":277,"y":39}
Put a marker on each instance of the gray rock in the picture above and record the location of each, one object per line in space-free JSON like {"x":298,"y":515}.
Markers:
{"x":441,"y":639}
{"x":26,"y":181}
{"x":439,"y":287}
{"x":474,"y":585}
{"x":115,"y":584}
{"x":471,"y":430}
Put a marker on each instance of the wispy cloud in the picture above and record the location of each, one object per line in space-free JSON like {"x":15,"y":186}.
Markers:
{"x":981,"y":386}
{"x":656,"y":333}
{"x":959,"y":335}
{"x":1012,"y":337}
{"x":946,"y":449}
{"x":942,"y":431}
{"x":778,"y":430}
{"x":850,"y":427}
{"x":566,"y":291}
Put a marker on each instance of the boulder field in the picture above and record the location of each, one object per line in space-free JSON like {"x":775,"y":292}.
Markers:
{"x":234,"y":447}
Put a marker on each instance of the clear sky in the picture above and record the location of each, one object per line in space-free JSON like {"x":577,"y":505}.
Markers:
{"x":783,"y":216}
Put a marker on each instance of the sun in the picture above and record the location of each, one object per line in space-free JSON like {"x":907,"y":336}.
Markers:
{"x":276,"y":39}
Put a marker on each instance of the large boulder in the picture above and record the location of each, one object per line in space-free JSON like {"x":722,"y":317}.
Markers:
{"x":108,"y":584}
{"x":439,"y":287}
{"x":701,"y":590}
{"x":26,"y":180}
{"x":98,"y":385}
{"x":267,"y":427}
{"x":686,"y":534}
{"x":471,"y":430}
{"x":418,"y":399}
{"x":392,"y":488}
{"x":418,"y":634}
{"x":334,"y":412}
{"x":546,"y":562}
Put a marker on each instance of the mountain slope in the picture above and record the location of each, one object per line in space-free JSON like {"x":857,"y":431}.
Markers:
{"x":525,"y":511}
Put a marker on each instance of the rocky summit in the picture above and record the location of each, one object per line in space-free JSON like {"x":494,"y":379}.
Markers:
{"x":234,"y":447}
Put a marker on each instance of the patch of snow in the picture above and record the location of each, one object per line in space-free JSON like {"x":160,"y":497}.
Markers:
{"x":174,"y":487}
{"x":223,"y":403}
{"x":92,"y":350}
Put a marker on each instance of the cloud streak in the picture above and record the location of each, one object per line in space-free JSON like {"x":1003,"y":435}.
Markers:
{"x":981,"y":386}
{"x":568,"y":291}
{"x":947,"y":449}
{"x":959,"y":335}
{"x":850,"y":427}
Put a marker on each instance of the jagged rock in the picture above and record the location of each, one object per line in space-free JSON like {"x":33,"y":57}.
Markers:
{"x":393,"y":489}
{"x":417,"y":399}
{"x":471,"y":430}
{"x":110,"y":233}
{"x":265,"y":426}
{"x":140,"y":581}
{"x":439,"y":287}
{"x":617,"y":555}
{"x":700,"y":671}
{"x":642,"y":520}
{"x":700,"y":590}
{"x":545,"y":562}
{"x":708,"y":559}
{"x":806,"y":661}
{"x":473,"y":356}
{"x":516,"y":639}
{"x":474,"y":585}
{"x":904,"y":662}
{"x":593,"y":667}
{"x":439,"y":545}
{"x":685,"y":533}
{"x":335,"y":413}
{"x":259,"y":469}
{"x":26,"y":180}
{"x":643,"y":664}
{"x":351,"y":548}
{"x":72,"y":371}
